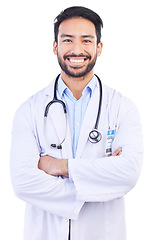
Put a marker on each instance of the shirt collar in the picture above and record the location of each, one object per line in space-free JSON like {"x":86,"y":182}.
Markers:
{"x":61,"y":86}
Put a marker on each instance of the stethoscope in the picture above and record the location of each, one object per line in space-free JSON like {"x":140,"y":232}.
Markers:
{"x":94,"y":136}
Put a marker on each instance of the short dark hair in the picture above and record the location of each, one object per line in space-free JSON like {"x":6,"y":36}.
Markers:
{"x":77,"y":11}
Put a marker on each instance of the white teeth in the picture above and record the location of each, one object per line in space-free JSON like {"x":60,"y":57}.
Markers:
{"x":76,"y":60}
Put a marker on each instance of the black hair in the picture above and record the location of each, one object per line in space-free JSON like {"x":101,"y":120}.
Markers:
{"x":79,"y":12}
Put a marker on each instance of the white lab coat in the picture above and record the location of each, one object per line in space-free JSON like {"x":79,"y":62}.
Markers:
{"x":94,"y":199}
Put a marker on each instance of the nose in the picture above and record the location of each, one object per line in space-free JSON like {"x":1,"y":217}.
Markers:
{"x":77,"y":48}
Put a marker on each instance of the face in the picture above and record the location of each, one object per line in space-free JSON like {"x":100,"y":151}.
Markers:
{"x":77,"y":48}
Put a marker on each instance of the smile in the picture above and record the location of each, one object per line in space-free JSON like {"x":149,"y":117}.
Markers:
{"x":76,"y":60}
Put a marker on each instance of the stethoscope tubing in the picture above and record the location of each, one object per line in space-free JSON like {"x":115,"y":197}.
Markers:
{"x":94,"y":136}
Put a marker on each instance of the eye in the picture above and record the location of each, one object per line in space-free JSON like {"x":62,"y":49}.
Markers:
{"x":87,"y":41}
{"x":67,"y":40}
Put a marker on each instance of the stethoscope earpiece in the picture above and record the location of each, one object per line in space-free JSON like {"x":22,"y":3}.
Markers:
{"x":53,"y":145}
{"x":56,"y":146}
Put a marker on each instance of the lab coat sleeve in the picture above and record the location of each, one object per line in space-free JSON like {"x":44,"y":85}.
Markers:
{"x":107,"y":178}
{"x":52,"y":194}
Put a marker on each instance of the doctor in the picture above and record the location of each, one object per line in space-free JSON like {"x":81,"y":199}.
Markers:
{"x":75,"y":191}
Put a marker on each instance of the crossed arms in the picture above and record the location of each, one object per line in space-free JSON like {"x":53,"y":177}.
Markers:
{"x":59,"y":167}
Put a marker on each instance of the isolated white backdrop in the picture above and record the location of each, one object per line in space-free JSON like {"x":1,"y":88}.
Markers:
{"x":27,"y":64}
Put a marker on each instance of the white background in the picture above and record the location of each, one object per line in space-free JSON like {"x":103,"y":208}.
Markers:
{"x":27,"y":64}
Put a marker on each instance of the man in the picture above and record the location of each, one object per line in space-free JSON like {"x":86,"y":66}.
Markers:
{"x":74,"y":185}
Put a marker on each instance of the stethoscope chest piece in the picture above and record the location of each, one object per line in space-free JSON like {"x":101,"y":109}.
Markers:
{"x":95,"y":136}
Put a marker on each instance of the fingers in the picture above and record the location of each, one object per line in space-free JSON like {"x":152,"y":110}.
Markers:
{"x":117,"y":152}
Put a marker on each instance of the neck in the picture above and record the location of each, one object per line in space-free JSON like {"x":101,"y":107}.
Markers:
{"x":77,"y":85}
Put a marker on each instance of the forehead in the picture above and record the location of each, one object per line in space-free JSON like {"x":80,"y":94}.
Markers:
{"x":77,"y":26}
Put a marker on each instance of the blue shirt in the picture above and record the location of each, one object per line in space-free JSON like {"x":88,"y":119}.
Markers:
{"x":76,"y":108}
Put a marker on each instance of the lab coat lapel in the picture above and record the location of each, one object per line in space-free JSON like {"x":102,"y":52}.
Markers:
{"x":88,"y":122}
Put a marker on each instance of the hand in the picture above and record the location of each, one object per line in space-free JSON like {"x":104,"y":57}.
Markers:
{"x":117,"y":152}
{"x":54,"y":166}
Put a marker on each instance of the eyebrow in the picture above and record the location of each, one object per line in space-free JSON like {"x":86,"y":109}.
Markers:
{"x":67,"y":35}
{"x":87,"y":36}
{"x":72,"y":36}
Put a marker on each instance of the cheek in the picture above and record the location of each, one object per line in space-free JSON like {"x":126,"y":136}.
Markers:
{"x":92,"y":50}
{"x":63,"y":50}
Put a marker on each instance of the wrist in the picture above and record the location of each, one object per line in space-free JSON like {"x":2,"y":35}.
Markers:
{"x":64,"y":167}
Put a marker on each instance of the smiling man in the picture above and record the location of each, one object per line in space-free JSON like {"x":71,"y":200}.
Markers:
{"x":77,"y":49}
{"x":77,"y":144}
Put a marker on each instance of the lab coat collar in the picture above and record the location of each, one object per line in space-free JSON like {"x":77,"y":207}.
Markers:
{"x":49,"y":90}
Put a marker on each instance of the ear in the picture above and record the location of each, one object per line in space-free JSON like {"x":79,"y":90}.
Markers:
{"x":99,"y":49}
{"x":55,"y":47}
